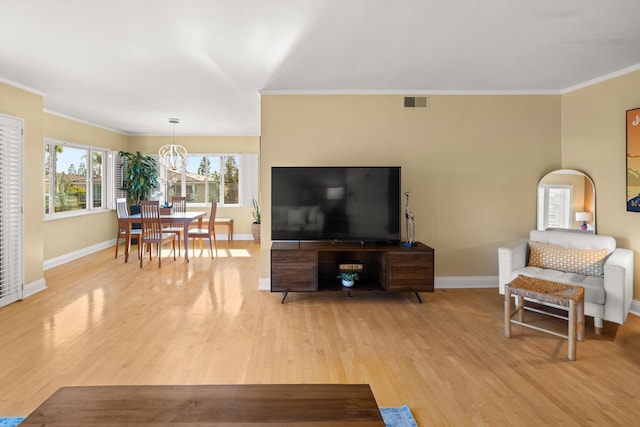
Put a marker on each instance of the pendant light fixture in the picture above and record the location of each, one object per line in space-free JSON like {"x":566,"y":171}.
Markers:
{"x":173,"y":156}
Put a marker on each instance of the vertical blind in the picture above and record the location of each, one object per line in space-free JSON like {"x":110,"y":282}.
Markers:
{"x":249,"y":174}
{"x":10,"y":210}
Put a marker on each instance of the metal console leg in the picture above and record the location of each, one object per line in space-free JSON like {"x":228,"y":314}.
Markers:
{"x":284,"y":295}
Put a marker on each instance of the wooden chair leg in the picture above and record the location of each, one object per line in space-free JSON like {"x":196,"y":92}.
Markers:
{"x":117,"y":244}
{"x":140,"y":248}
{"x":174,"y":248}
{"x":507,"y":312}
{"x":140,"y":252}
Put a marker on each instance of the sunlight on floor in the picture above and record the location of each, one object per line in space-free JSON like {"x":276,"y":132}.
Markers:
{"x":239,"y":253}
{"x":222,"y":253}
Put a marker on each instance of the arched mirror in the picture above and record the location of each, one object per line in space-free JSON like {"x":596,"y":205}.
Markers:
{"x":566,"y":200}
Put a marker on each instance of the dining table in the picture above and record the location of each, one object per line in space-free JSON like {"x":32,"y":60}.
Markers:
{"x":184,"y":218}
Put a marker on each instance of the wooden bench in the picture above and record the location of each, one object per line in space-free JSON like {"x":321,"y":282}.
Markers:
{"x":550,"y":292}
{"x":229,"y":223}
{"x":221,"y":221}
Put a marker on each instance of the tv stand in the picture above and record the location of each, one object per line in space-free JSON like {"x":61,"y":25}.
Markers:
{"x":313,"y":267}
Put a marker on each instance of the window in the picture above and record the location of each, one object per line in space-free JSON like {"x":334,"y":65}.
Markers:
{"x":229,"y":178}
{"x":74,"y":177}
{"x":555,"y":209}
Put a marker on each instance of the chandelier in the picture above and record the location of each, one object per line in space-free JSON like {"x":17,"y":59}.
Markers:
{"x":172,"y":156}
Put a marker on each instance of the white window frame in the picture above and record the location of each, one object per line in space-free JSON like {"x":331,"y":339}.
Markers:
{"x":247,"y":180}
{"x":107,"y":179}
{"x":565,"y":212}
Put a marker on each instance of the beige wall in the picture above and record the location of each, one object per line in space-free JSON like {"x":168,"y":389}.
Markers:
{"x":29,"y":106}
{"x":594,"y":141}
{"x":61,"y":235}
{"x":242,"y":217}
{"x":471,"y":163}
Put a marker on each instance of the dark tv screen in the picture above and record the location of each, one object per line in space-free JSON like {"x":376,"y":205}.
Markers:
{"x":335,"y":203}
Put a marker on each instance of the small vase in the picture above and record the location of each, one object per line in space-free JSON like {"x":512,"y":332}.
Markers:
{"x":347,"y":283}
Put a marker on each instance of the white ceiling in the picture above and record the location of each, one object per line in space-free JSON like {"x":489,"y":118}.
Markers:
{"x":129,"y":65}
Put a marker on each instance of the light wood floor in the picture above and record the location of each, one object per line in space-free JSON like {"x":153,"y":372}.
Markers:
{"x":104,"y":322}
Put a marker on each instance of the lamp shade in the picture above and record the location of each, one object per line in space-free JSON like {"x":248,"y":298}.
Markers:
{"x":584,"y":216}
{"x":173,"y":157}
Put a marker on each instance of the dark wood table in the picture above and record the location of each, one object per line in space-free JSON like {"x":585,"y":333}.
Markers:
{"x":209,"y":405}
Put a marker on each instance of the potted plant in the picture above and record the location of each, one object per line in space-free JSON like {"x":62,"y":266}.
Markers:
{"x":255,"y":226}
{"x":140,"y":176}
{"x":348,"y":278}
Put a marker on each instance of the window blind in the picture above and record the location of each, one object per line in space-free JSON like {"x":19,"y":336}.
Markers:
{"x":118,"y":178}
{"x":249,"y":173}
{"x":11,"y":256}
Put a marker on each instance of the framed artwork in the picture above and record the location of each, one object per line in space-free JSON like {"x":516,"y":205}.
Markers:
{"x":633,"y":160}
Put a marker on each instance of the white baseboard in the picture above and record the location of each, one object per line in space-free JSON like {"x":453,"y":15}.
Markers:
{"x":635,"y":307}
{"x":466,"y":282}
{"x":440,"y":282}
{"x":54,"y":262}
{"x":33,"y":288}
{"x":238,"y":237}
{"x":264,"y":284}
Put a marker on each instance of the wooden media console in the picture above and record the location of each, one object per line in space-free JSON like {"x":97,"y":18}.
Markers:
{"x":314,"y":267}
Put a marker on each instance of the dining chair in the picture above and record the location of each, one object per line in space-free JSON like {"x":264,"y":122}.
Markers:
{"x":121,"y":208}
{"x":206,"y":233}
{"x":152,"y":231}
{"x":179,"y":206}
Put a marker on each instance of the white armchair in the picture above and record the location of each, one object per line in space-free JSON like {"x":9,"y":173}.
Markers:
{"x":607,"y":296}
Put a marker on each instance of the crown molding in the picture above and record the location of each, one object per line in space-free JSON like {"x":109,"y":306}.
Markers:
{"x":23,"y":87}
{"x":601,"y":79}
{"x":65,"y":116}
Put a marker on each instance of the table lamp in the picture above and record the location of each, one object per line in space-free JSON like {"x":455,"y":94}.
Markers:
{"x":584,"y":217}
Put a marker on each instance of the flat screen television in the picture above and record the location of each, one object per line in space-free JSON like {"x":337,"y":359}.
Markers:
{"x":335,"y":203}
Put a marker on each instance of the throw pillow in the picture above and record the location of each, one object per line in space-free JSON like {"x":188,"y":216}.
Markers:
{"x":588,"y":262}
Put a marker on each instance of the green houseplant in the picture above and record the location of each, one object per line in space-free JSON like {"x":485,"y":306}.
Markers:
{"x":139,"y":176}
{"x":348,"y":278}
{"x":255,"y":226}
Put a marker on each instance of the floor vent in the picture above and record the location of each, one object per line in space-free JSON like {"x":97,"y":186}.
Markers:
{"x":415,"y":101}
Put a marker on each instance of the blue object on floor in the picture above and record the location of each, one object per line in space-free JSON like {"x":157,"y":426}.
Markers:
{"x":398,"y":417}
{"x":10,"y":421}
{"x":393,"y":417}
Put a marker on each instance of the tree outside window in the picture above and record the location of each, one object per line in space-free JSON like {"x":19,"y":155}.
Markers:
{"x":68,"y":185}
{"x":204,"y":176}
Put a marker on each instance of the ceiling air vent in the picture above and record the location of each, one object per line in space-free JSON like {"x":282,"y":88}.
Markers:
{"x":415,"y":101}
